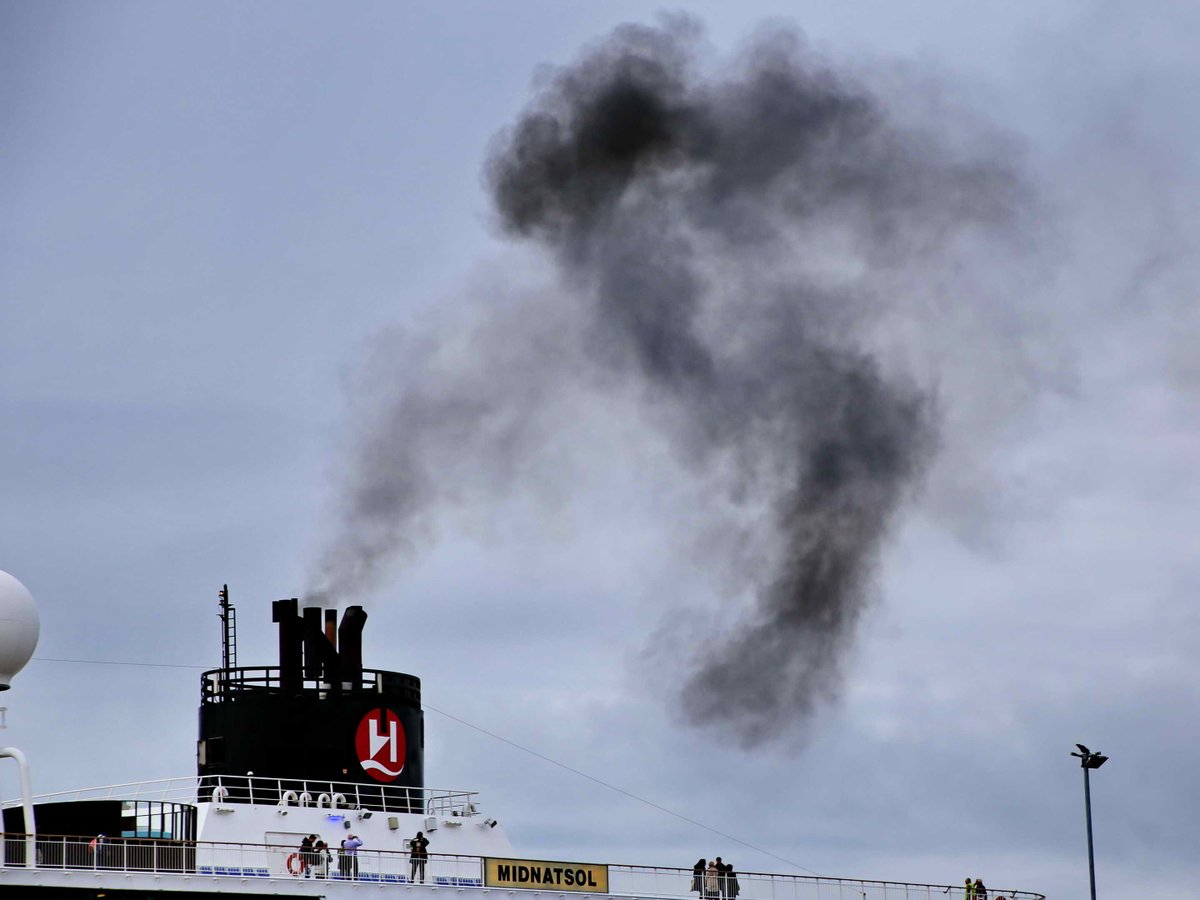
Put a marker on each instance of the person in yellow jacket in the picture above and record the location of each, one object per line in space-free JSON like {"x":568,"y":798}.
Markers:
{"x":969,"y":889}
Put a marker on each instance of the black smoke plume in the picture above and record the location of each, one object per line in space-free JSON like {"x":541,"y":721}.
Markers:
{"x":728,"y":242}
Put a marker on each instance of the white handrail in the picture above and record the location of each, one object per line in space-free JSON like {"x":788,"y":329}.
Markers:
{"x":197,"y":789}
{"x":164,"y":858}
{"x":26,"y":807}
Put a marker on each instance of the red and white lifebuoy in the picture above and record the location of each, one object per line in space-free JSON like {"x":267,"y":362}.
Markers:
{"x":295,"y":864}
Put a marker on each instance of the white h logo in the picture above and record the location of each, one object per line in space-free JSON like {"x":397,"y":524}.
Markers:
{"x":378,"y":740}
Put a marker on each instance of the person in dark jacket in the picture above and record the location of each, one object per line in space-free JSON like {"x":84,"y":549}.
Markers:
{"x":980,"y":890}
{"x":698,"y":876}
{"x":417,"y":855}
{"x":306,"y":855}
{"x":731,"y":882}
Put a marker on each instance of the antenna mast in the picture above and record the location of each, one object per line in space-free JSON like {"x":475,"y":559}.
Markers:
{"x":228,"y":630}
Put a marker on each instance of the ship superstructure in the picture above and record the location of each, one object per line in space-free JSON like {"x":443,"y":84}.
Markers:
{"x":310,"y":783}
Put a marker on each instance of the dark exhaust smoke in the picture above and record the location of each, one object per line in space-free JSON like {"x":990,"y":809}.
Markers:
{"x":728,"y":244}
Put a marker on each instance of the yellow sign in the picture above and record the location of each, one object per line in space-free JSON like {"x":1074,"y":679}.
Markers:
{"x":547,"y":876}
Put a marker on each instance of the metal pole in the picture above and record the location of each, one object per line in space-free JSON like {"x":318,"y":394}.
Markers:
{"x":26,"y":809}
{"x":1087,"y":803}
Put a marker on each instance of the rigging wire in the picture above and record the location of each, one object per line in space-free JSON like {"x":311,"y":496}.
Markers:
{"x":106,"y":662}
{"x":619,"y":790}
{"x":494,"y":736}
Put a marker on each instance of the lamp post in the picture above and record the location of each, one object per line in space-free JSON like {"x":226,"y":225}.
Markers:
{"x":1089,"y":760}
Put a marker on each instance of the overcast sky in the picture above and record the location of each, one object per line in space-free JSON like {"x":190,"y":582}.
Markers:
{"x":211,"y":216}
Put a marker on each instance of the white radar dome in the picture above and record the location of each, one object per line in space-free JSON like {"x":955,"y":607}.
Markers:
{"x":19,"y":628}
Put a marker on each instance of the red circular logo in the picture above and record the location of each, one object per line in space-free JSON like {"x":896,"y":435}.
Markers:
{"x":380,"y":744}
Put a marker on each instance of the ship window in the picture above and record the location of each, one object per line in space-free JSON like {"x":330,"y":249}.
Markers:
{"x":156,"y":820}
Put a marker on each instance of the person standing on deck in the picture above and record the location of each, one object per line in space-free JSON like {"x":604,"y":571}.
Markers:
{"x":348,"y":859}
{"x":306,"y":855}
{"x":731,"y":882}
{"x":698,"y":876}
{"x":417,"y":855}
{"x":323,"y":857}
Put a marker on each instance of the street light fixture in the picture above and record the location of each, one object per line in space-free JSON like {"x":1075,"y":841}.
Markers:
{"x":1089,"y":760}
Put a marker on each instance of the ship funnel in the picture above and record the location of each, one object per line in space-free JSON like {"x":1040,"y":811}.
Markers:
{"x":319,"y":718}
{"x":350,"y":641}
{"x":312,"y":646}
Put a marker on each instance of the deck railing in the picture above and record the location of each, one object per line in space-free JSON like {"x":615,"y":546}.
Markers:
{"x":166,"y":790}
{"x":295,"y":791}
{"x":218,"y":860}
{"x":645,"y":881}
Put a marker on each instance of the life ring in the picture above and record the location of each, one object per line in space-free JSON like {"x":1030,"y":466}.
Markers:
{"x":299,"y":866}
